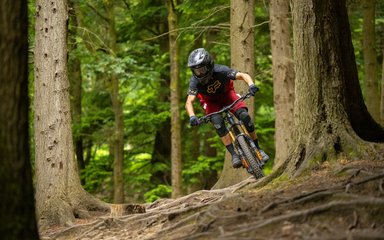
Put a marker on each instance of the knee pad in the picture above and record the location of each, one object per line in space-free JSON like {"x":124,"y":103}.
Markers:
{"x":218,"y":122}
{"x":242,"y":115}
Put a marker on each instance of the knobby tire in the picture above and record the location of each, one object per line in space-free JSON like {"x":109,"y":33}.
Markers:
{"x":250,"y":157}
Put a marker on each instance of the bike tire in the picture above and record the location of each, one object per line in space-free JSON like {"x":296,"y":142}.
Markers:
{"x":256,"y":169}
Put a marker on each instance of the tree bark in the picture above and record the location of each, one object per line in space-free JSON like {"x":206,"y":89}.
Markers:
{"x":117,"y":104}
{"x":242,"y":59}
{"x":175,"y":100}
{"x":162,"y":146}
{"x":371,"y":83}
{"x":59,"y":195}
{"x":74,"y":74}
{"x":330,"y":114}
{"x":382,"y":93}
{"x":17,"y":209}
{"x":283,"y":77}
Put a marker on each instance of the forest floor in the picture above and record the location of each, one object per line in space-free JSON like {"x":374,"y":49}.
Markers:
{"x":344,"y":200}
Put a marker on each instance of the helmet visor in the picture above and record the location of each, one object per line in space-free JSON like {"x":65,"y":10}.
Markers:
{"x":201,"y":71}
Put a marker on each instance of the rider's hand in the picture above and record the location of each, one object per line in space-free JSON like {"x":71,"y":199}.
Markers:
{"x":193,"y":121}
{"x":253,"y":89}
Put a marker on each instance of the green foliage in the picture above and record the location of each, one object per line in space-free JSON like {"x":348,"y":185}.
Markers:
{"x":356,"y":26}
{"x":97,"y":175}
{"x":161,"y":191}
{"x":204,"y":165}
{"x":140,"y":172}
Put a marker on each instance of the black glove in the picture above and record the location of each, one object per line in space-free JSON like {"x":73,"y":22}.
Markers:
{"x":253,"y":89}
{"x":193,"y":121}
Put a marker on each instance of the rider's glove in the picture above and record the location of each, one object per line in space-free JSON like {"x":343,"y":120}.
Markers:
{"x":193,"y":121}
{"x":253,"y":89}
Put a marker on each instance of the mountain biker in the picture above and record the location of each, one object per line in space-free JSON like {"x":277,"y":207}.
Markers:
{"x":212,"y":84}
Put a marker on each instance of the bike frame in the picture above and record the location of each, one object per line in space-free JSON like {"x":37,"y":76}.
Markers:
{"x":236,"y":130}
{"x":234,"y":124}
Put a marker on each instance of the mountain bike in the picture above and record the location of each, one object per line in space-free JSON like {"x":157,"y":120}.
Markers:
{"x":242,"y":142}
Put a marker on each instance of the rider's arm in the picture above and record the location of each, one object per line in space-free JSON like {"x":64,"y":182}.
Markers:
{"x":189,"y":105}
{"x":245,"y":77}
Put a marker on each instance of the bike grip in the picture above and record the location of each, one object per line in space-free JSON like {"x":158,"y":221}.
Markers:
{"x":202,"y":120}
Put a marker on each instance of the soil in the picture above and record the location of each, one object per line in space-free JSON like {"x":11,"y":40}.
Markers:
{"x":344,"y":200}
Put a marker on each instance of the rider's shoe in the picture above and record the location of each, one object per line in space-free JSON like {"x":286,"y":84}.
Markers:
{"x":236,"y":162}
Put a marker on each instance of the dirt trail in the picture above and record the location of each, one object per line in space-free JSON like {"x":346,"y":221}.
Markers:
{"x":343,"y":201}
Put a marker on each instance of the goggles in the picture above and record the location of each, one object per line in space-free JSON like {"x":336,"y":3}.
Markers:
{"x":201,"y":71}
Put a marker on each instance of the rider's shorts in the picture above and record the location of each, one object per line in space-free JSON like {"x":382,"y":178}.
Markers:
{"x":215,"y":104}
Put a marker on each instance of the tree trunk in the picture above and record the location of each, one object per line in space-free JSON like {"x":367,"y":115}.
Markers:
{"x":175,"y":100}
{"x":371,"y":83}
{"x":75,"y":79}
{"x":243,"y":44}
{"x":59,"y":195}
{"x":242,"y":59}
{"x":283,"y":77}
{"x":17,"y":210}
{"x":162,"y":146}
{"x":382,"y":94}
{"x":118,"y":143}
{"x":117,"y":104}
{"x":330,"y":115}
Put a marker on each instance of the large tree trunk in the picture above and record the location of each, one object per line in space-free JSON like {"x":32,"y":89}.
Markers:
{"x":243,"y":44}
{"x":17,"y":210}
{"x":175,"y":100}
{"x":283,"y":77}
{"x":59,"y":195}
{"x":330,"y":115}
{"x":242,"y":59}
{"x":371,"y":83}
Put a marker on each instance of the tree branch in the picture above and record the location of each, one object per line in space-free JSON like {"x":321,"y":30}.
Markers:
{"x":102,"y":16}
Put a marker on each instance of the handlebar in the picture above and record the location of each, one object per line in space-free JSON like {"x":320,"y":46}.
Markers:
{"x":207,"y":118}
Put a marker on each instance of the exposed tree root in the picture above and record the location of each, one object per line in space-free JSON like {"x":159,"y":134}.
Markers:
{"x":339,"y":204}
{"x":300,"y":216}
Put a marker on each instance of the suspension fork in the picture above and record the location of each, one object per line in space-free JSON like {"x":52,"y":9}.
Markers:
{"x":253,"y":145}
{"x":232,"y":126}
{"x":234,"y":132}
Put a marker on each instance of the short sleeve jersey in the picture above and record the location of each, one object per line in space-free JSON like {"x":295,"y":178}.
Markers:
{"x":220,"y":82}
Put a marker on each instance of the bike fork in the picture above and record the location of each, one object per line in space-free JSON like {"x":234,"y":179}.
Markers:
{"x":258,"y":154}
{"x":253,"y":145}
{"x":242,"y":157}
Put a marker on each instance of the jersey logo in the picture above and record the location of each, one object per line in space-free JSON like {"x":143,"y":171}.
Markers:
{"x":213,"y":87}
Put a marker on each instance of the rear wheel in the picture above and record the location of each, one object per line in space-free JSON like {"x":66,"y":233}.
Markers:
{"x":253,"y":167}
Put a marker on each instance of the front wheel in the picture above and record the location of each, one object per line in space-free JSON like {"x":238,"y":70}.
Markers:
{"x":249,"y":154}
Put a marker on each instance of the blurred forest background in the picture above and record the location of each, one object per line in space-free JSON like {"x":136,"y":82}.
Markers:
{"x":129,"y":40}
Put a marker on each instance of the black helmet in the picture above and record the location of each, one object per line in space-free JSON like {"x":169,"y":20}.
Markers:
{"x":201,"y":63}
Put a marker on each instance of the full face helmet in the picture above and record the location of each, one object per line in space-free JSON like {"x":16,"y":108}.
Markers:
{"x":201,"y":64}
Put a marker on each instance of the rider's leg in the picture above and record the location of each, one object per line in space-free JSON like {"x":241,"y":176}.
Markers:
{"x":222,"y":131}
{"x":243,"y":115}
